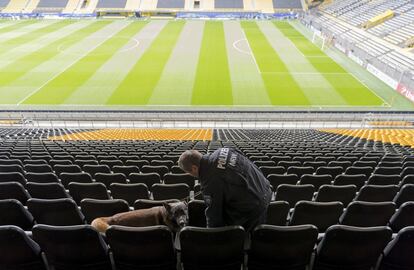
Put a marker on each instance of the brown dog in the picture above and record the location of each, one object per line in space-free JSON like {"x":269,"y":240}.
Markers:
{"x":173,"y":215}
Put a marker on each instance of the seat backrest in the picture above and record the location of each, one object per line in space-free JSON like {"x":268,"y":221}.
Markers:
{"x":11,"y":168}
{"x":94,"y":169}
{"x":398,"y":254}
{"x":129,"y":192}
{"x":279,"y":179}
{"x":344,"y":194}
{"x":383,"y":180}
{"x":161,"y":169}
{"x":142,"y":248}
{"x":148,"y":179}
{"x":67,"y":178}
{"x":320,"y":214}
{"x":92,"y":208}
{"x":359,"y":170}
{"x":374,"y":193}
{"x":292,"y":194}
{"x":12,"y":177}
{"x":38,"y":168}
{"x":388,"y":170}
{"x":196,"y":213}
{"x":333,"y":171}
{"x":173,"y":191}
{"x":315,"y":180}
{"x":66,"y":169}
{"x":212,"y":248}
{"x":266,"y":170}
{"x":280,"y":247}
{"x":183,"y":178}
{"x":406,"y":194}
{"x":346,"y":247}
{"x":58,"y":212}
{"x":145,"y":204}
{"x":42,"y":177}
{"x":84,"y":247}
{"x":368,"y":214}
{"x":127,"y":170}
{"x":18,"y":250}
{"x":404,"y":217}
{"x":46,"y":190}
{"x":299,"y":170}
{"x":277,"y":213}
{"x":80,"y":191}
{"x":345,"y":179}
{"x":12,"y":212}
{"x":108,"y":178}
{"x":13,"y":190}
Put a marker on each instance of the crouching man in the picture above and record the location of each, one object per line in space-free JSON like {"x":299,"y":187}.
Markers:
{"x":234,"y":189}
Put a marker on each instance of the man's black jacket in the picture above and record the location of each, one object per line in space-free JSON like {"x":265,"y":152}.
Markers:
{"x":234,"y":189}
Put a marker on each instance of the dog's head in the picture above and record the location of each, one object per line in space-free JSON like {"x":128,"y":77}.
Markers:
{"x":177,"y":215}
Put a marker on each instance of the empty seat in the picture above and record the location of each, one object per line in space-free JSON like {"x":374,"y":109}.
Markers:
{"x":388,"y":170}
{"x":164,"y":162}
{"x":138,"y":163}
{"x":84,"y":247}
{"x":111,"y":163}
{"x":368,"y":214}
{"x":343,"y":164}
{"x":275,"y":247}
{"x":58,"y":212}
{"x":161,"y":170}
{"x":333,"y":171}
{"x":173,"y":191}
{"x":374,"y":193}
{"x":357,"y":180}
{"x":212,"y":248}
{"x":287,"y":164}
{"x":67,"y":169}
{"x":398,"y":254}
{"x":19,"y":251}
{"x":280,"y":179}
{"x":148,"y":179}
{"x":406,"y":194}
{"x":11,"y":162}
{"x":92,"y":208}
{"x":345,"y":247}
{"x":80,"y":191}
{"x":12,"y":212}
{"x":408,"y":179}
{"x":11,"y":168}
{"x":320,"y":214}
{"x":129,"y":192}
{"x":38,"y":168}
{"x":183,"y":178}
{"x":126,"y":170}
{"x":54,"y":162}
{"x":13,"y":190}
{"x":196,"y":213}
{"x":266,"y":170}
{"x":109,"y":178}
{"x":13,"y":177}
{"x":299,"y":171}
{"x":315,"y":180}
{"x":42,"y":177}
{"x":292,"y":194}
{"x":407,"y":171}
{"x":383,"y":180}
{"x":367,"y":171}
{"x":46,"y":190}
{"x":277,"y":213}
{"x":142,"y":248}
{"x":404,"y":217}
{"x":94,"y":169}
{"x":343,"y":194}
{"x":67,"y":178}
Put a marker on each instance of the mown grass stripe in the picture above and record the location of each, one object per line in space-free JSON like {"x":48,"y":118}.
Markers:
{"x":16,"y":69}
{"x":212,"y":84}
{"x":353,"y":91}
{"x":137,"y":86}
{"x":280,"y":85}
{"x":61,"y":87}
{"x":15,"y":26}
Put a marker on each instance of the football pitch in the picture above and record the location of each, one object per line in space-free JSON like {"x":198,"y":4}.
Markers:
{"x":179,"y":64}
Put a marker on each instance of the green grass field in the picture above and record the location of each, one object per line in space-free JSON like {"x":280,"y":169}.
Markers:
{"x":179,"y":64}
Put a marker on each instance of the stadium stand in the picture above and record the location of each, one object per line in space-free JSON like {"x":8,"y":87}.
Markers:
{"x":3,"y":4}
{"x":168,"y":4}
{"x":229,"y":4}
{"x":15,"y":6}
{"x":63,"y":202}
{"x":51,"y":6}
{"x":287,"y":4}
{"x":111,"y":4}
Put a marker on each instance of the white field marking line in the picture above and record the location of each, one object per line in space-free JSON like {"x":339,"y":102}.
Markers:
{"x":364,"y":84}
{"x":306,"y":73}
{"x":129,"y":48}
{"x":250,"y":48}
{"x":69,"y":66}
{"x":195,"y":106}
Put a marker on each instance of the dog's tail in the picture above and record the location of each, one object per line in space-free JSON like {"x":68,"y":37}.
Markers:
{"x":100,"y":224}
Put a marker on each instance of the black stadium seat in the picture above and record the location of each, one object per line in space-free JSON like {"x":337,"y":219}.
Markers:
{"x":12,"y":212}
{"x":404,"y":217}
{"x":344,"y":194}
{"x":13,"y":190}
{"x":196,"y":213}
{"x":92,"y":208}
{"x":398,"y":254}
{"x":368,"y":214}
{"x":279,"y":247}
{"x":109,"y":178}
{"x":129,"y":192}
{"x":277,"y":213}
{"x":80,"y":191}
{"x":84,"y":248}
{"x":292,"y":194}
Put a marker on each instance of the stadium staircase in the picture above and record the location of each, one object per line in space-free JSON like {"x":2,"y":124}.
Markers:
{"x":15,"y":6}
{"x":338,"y":183}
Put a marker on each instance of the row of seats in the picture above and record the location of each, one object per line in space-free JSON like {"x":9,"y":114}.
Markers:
{"x":225,"y":248}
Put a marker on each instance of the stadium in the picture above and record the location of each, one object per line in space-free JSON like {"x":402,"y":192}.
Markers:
{"x":99,"y":99}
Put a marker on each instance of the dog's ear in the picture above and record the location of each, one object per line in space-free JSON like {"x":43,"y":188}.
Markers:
{"x":167,"y":206}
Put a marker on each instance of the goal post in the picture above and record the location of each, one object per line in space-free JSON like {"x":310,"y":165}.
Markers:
{"x":319,"y":40}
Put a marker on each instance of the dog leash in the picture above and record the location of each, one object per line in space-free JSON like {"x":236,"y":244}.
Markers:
{"x":186,"y":199}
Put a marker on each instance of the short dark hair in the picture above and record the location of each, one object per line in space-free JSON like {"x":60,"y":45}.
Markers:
{"x":188,"y":159}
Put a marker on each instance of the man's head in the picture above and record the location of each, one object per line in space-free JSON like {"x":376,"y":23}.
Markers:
{"x":189,"y":162}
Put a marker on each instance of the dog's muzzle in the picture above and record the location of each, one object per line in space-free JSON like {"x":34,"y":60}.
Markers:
{"x":182,"y":221}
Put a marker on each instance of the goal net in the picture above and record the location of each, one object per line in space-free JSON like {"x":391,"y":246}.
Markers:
{"x":319,"y":40}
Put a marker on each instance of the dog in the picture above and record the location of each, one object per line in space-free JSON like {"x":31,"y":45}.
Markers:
{"x":174,"y":215}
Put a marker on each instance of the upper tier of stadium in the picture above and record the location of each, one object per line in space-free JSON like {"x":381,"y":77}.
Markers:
{"x":90,"y":6}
